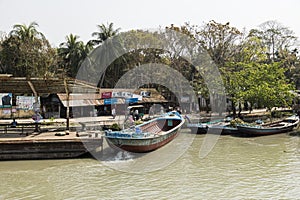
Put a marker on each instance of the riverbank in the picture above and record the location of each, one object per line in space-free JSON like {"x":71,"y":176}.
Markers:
{"x":53,"y":141}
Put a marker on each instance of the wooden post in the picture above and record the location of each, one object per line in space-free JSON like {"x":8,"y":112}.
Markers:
{"x":68,"y":105}
{"x":33,"y":90}
{"x":36,"y":129}
{"x":68,"y":112}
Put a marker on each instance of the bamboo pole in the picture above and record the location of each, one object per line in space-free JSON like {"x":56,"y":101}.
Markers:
{"x":68,"y":105}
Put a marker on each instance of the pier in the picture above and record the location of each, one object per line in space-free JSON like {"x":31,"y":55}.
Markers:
{"x":52,"y":141}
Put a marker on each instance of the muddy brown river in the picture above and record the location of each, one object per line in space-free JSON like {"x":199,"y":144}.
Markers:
{"x":265,"y":167}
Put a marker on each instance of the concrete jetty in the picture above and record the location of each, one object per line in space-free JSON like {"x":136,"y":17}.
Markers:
{"x":52,"y":141}
{"x":48,"y":145}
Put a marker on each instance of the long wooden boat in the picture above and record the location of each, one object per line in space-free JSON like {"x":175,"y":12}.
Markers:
{"x":220,"y":126}
{"x":223,"y":129}
{"x":202,"y":128}
{"x":282,"y":126}
{"x":148,"y":136}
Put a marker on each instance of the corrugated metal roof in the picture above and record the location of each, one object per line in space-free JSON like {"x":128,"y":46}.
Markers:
{"x":83,"y":102}
{"x":21,"y":85}
{"x":95,"y":99}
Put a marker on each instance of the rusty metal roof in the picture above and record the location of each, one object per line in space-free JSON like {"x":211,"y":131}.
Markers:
{"x":82,"y":93}
{"x":23,"y":85}
{"x":95,"y":99}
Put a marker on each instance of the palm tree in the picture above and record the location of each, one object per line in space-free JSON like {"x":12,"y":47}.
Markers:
{"x":24,"y":32}
{"x":73,"y":52}
{"x":111,"y":49}
{"x":104,"y":33}
{"x":27,"y":52}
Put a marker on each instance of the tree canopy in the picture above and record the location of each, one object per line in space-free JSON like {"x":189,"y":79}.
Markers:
{"x":260,"y":66}
{"x":26,"y":52}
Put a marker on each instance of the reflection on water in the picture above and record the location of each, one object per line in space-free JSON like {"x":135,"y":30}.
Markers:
{"x":237,"y":168}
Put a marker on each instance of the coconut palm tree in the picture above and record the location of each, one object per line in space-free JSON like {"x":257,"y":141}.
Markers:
{"x":111,"y":49}
{"x":73,"y":52}
{"x":105,"y":32}
{"x":29,"y":32}
{"x":26,"y":52}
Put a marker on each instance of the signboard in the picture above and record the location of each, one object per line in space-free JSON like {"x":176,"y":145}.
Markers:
{"x":145,"y":93}
{"x":117,"y":94}
{"x":27,"y":103}
{"x":131,"y":100}
{"x":127,"y":94}
{"x":6,"y":111}
{"x":110,"y":101}
{"x":6,"y":100}
{"x":119,"y":101}
{"x":122,"y":94}
{"x":106,"y":95}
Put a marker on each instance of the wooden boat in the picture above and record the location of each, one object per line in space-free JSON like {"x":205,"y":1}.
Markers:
{"x":220,"y":126}
{"x":202,"y":128}
{"x":282,"y":126}
{"x":223,"y":129}
{"x":148,"y":136}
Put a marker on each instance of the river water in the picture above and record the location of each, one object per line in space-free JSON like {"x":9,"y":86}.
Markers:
{"x":236,"y":168}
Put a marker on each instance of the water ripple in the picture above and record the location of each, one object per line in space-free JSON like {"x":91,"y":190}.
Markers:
{"x":237,"y":168}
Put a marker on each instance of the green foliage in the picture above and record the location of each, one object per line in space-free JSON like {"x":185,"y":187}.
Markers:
{"x":280,"y":114}
{"x":138,"y":122}
{"x":236,"y":121}
{"x":72,"y":53}
{"x":257,"y":67}
{"x":105,"y":32}
{"x":115,"y":127}
{"x":266,"y":85}
{"x":26,"y":52}
{"x":219,"y":40}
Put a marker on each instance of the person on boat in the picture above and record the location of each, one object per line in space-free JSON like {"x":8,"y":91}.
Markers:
{"x":131,"y":120}
{"x":136,"y":115}
{"x":161,"y":110}
{"x":151,"y":112}
{"x":178,"y":110}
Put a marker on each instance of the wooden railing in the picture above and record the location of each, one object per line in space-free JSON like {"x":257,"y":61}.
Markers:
{"x":20,"y":128}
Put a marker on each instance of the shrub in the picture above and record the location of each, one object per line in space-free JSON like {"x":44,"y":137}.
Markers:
{"x":236,"y":121}
{"x":115,"y":127}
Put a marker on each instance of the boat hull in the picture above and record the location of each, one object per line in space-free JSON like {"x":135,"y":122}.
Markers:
{"x":217,"y":129}
{"x":148,"y":136}
{"x":280,"y":127}
{"x":198,"y":130}
{"x":142,"y":145}
{"x":223,"y":130}
{"x":249,"y":131}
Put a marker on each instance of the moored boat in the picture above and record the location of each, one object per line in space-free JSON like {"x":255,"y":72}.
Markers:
{"x":282,"y":126}
{"x":148,"y":136}
{"x":202,"y":128}
{"x":223,"y":129}
{"x":219,"y":126}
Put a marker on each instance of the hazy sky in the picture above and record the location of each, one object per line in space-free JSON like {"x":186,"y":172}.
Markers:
{"x":58,"y":18}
